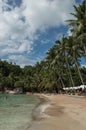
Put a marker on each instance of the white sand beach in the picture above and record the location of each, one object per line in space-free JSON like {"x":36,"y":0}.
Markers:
{"x":62,"y":113}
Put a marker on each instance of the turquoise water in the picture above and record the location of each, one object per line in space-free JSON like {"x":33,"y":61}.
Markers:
{"x":16,"y":110}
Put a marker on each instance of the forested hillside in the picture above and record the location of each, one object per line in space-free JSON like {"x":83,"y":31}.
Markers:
{"x":60,"y":68}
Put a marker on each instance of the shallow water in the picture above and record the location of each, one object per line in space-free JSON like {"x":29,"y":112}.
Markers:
{"x":16,"y":111}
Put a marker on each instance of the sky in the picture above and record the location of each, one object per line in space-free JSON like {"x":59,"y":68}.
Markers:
{"x":28,"y":28}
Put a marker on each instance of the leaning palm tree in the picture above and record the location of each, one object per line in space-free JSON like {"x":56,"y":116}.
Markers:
{"x":81,"y":41}
{"x":78,"y":25}
{"x":55,"y":64}
{"x":74,"y":52}
{"x":63,"y":49}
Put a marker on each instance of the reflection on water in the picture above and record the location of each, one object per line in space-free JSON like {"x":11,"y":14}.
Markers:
{"x":15,"y":111}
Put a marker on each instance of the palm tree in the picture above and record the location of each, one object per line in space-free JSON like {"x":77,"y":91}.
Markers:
{"x":55,"y":64}
{"x":74,"y":52}
{"x":79,"y":26}
{"x":81,"y":41}
{"x":63,"y":48}
{"x":79,"y":23}
{"x":79,"y":34}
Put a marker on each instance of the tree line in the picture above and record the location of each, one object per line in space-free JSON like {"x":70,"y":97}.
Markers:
{"x":60,"y":68}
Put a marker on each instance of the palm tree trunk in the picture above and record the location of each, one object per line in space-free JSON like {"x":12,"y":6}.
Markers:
{"x":60,"y":77}
{"x":62,"y":82}
{"x":69,"y":71}
{"x":84,"y":48}
{"x":78,"y":71}
{"x":85,"y":52}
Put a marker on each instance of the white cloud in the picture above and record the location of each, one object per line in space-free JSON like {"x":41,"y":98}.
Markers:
{"x":45,"y":41}
{"x":22,"y":60}
{"x":69,"y":32}
{"x":47,"y":13}
{"x":18,"y":27}
{"x":58,"y":36}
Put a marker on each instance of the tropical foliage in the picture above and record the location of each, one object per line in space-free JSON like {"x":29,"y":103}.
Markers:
{"x":61,"y":66}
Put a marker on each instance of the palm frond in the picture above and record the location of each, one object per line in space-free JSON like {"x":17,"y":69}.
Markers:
{"x":73,"y":14}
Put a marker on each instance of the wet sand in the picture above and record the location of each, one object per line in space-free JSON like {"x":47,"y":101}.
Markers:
{"x":61,"y":112}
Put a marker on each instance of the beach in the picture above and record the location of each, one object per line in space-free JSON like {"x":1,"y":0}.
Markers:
{"x":60,"y":112}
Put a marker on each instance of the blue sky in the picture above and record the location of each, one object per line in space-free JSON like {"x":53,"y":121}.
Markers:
{"x":28,"y":28}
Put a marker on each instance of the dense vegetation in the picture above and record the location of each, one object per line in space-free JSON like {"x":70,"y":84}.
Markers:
{"x":60,"y":68}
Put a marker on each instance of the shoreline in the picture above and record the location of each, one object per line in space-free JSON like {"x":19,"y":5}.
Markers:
{"x":37,"y":113}
{"x":59,"y":112}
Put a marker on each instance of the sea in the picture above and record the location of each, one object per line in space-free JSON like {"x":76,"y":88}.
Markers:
{"x":16,"y":111}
